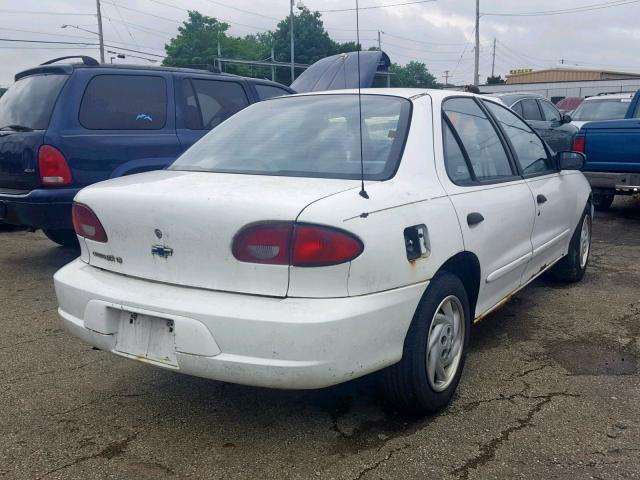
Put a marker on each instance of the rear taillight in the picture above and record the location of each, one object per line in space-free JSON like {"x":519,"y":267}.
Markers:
{"x":301,"y":245}
{"x":86,"y":223}
{"x":53,"y":166}
{"x":578,"y":144}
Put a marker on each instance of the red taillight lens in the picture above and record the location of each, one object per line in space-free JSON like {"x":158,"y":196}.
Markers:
{"x":86,"y":223}
{"x":53,"y":166}
{"x":302,"y":245}
{"x":315,"y":246}
{"x":264,"y":243}
{"x":578,"y":144}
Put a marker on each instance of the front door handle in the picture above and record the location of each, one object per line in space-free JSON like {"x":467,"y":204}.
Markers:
{"x":474,"y":218}
{"x":541,"y":198}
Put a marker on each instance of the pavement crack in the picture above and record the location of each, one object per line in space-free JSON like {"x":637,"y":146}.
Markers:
{"x":489,"y":449}
{"x":112,"y":450}
{"x":381,"y":461}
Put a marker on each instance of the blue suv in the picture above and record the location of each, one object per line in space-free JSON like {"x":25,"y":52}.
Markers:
{"x":66,"y":126}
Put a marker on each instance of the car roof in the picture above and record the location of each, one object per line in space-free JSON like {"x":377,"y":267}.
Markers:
{"x":610,"y":96}
{"x":510,"y":98}
{"x":408,"y":93}
{"x":70,"y":67}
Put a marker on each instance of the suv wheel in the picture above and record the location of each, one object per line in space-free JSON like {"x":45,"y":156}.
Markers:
{"x":602,"y":201}
{"x":424,"y":381}
{"x":65,"y":238}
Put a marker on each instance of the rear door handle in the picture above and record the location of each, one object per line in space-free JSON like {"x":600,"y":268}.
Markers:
{"x":541,"y":198}
{"x":474,"y":218}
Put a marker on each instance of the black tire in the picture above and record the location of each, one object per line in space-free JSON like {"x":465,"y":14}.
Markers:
{"x":406,"y":383}
{"x":571,"y":268}
{"x":602,"y":201}
{"x":65,"y":238}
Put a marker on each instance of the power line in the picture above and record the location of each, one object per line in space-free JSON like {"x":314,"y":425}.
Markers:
{"x":376,"y":6}
{"x":78,"y":43}
{"x":584,"y":8}
{"x":31,"y":12}
{"x":421,"y":41}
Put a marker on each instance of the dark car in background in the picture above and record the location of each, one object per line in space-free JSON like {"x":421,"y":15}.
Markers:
{"x":66,"y":126}
{"x":552,"y":125}
{"x":569,"y":104}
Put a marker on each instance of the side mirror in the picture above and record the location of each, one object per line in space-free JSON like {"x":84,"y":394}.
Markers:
{"x":571,"y":160}
{"x":566,"y":118}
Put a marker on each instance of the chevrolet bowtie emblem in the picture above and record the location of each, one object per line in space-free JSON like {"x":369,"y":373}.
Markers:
{"x":161,"y":251}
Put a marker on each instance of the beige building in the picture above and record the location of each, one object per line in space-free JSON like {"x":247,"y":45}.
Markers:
{"x":565,"y":75}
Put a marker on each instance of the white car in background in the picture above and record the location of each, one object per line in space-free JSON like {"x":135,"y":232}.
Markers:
{"x":258,"y":258}
{"x":609,"y":106}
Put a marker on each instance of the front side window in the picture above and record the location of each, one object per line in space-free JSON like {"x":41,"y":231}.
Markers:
{"x":479,"y":138}
{"x":269,"y":91}
{"x":124,"y":102}
{"x":530,"y":110}
{"x":529,"y":149}
{"x":307,"y":136}
{"x":211,"y":102}
{"x":549,"y":111}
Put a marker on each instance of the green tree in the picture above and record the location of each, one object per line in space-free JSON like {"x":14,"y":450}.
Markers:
{"x":495,"y":80}
{"x":412,"y":75}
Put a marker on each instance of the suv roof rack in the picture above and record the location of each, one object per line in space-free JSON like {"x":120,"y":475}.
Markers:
{"x":201,"y":66}
{"x":85,"y":59}
{"x":614,"y":93}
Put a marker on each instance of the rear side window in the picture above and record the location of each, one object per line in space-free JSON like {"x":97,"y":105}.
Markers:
{"x":530,"y":110}
{"x":211,"y":102}
{"x":29,"y":102}
{"x":480,"y":140}
{"x":518,"y":108}
{"x":454,"y":160}
{"x":549,"y":111}
{"x":124,"y":102}
{"x":269,"y":91}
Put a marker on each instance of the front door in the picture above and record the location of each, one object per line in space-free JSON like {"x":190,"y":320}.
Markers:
{"x":493,"y":203}
{"x":549,"y":188}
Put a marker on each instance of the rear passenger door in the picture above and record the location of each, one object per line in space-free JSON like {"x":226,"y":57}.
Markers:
{"x":202,"y":103}
{"x":123,"y":123}
{"x":555,"y":205}
{"x":493,"y":203}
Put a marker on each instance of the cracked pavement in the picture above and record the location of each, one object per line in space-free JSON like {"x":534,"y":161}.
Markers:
{"x":551,"y":389}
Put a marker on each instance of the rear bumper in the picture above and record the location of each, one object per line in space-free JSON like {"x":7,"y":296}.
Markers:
{"x":291,"y":343}
{"x":620,"y":182}
{"x":42,"y":208}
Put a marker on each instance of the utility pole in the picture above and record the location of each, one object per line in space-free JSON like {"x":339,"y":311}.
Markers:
{"x":493,"y":62}
{"x":379,"y":40}
{"x":293,"y":69}
{"x":273,"y":69}
{"x":101,"y":37}
{"x":446,"y":78}
{"x":219,"y":52}
{"x":476,"y":75}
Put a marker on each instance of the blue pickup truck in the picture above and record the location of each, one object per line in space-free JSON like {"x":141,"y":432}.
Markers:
{"x":613,"y":155}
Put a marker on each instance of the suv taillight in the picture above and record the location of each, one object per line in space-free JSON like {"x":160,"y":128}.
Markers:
{"x":300,"y":245}
{"x":53,"y":166}
{"x":86,"y":223}
{"x":578,"y":144}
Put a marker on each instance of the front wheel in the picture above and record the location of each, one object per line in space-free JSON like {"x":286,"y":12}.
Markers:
{"x":426,"y":377}
{"x":572,"y":267}
{"x":65,"y":238}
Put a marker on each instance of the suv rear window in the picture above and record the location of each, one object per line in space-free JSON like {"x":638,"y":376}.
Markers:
{"x":307,"y":136}
{"x":29,"y":102}
{"x":213,"y":102}
{"x":124,"y":102}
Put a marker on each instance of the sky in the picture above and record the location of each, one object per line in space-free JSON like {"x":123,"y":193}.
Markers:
{"x":439,"y":33}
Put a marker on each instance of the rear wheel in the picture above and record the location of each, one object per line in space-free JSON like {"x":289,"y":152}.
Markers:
{"x":572,"y":267}
{"x":425,"y":379}
{"x":602,"y":201}
{"x":65,"y":238}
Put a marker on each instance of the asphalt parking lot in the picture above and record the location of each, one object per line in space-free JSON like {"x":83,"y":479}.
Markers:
{"x":551,"y":389}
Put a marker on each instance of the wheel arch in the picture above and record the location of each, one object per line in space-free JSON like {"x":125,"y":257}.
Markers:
{"x":466,"y":266}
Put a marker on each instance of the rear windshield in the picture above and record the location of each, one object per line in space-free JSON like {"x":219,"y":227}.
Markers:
{"x":29,"y":102}
{"x":611,"y":109}
{"x":307,"y":136}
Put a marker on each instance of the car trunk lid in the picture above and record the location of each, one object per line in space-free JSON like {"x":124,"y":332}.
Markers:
{"x":178,"y":227}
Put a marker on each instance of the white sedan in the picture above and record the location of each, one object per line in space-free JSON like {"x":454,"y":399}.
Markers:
{"x":260,"y":258}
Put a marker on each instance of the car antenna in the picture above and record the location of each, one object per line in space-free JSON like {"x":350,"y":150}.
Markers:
{"x":363,"y":192}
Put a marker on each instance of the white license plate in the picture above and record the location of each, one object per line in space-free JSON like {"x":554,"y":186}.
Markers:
{"x":146,"y":337}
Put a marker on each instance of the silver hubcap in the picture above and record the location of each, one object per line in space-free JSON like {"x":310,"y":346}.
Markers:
{"x":585,"y":241}
{"x":445,"y":342}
